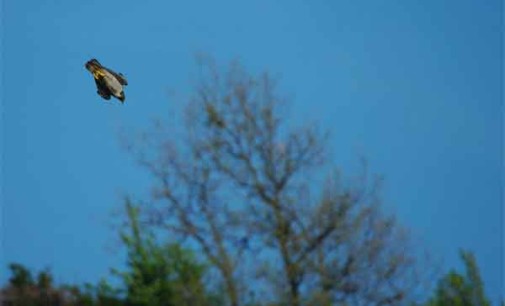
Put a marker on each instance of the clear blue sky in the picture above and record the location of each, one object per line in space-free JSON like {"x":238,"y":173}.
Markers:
{"x":415,"y":86}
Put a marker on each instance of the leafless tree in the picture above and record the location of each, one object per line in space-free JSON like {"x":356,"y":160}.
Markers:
{"x":263,"y":204}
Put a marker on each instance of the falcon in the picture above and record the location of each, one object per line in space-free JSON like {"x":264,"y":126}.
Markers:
{"x":108,"y":82}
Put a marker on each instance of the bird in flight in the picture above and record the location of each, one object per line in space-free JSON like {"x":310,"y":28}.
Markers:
{"x":108,"y":82}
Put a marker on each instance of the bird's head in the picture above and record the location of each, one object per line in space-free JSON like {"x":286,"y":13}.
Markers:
{"x":92,"y":65}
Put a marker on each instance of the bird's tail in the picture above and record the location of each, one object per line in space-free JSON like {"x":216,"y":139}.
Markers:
{"x":122,"y":97}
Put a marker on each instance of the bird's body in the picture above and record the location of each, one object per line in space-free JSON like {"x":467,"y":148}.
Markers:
{"x":108,"y":82}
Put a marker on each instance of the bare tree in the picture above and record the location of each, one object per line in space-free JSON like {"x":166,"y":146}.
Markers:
{"x":255,"y":196}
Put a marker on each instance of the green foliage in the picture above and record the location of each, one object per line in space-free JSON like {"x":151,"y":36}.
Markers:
{"x":158,"y":274}
{"x":456,"y":289}
{"x":102,"y":294}
{"x":24,"y":291}
{"x":82,"y":297}
{"x":21,"y":276}
{"x":45,"y":280}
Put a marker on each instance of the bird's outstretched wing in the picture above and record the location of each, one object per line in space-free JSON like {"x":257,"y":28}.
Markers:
{"x":119,"y":76}
{"x":102,"y":90}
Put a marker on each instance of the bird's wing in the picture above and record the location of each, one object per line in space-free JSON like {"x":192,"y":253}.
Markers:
{"x":120,"y":77}
{"x":102,"y":89}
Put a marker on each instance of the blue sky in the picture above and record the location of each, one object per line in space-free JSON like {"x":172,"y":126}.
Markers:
{"x":415,"y":86}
